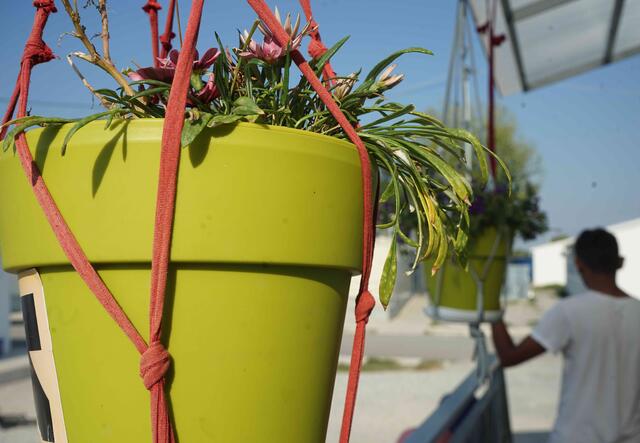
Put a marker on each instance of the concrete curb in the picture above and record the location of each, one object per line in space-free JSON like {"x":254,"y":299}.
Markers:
{"x":15,"y":368}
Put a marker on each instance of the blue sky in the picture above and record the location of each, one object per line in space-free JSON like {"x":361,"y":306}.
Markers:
{"x":585,"y":128}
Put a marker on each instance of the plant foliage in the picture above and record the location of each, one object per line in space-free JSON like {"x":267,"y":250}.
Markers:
{"x":418,"y":155}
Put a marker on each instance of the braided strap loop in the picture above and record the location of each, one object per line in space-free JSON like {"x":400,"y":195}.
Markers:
{"x":364,"y":305}
{"x":154,"y":364}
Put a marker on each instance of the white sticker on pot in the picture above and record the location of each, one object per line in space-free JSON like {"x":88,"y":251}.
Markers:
{"x":44,"y":378}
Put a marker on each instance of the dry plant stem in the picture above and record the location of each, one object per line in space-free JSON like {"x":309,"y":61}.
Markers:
{"x":179,"y":24}
{"x":244,"y":48}
{"x":85,"y":82}
{"x":102,"y":8}
{"x":93,"y":56}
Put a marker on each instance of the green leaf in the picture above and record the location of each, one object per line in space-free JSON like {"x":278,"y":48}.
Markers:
{"x":81,"y":123}
{"x":107,"y":125}
{"x":391,"y":116}
{"x":224,"y":119}
{"x":192,"y":129}
{"x":26,"y":123}
{"x":480,"y":150}
{"x":285,"y":80}
{"x":221,"y":71}
{"x":324,"y":59}
{"x":20,"y":120}
{"x":151,"y":91}
{"x":456,"y":180}
{"x":150,"y":82}
{"x":245,"y":106}
{"x":389,"y":272}
{"x":407,"y":239}
{"x":377,"y":69}
{"x":389,"y":190}
{"x":108,"y":93}
{"x":504,"y":167}
{"x":443,"y":248}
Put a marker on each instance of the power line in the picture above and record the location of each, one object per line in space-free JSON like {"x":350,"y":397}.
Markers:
{"x":58,"y":104}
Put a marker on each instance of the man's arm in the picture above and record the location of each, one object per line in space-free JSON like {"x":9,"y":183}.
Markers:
{"x":509,"y":353}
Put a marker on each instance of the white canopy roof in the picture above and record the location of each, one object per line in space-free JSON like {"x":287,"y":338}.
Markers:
{"x":549,"y":40}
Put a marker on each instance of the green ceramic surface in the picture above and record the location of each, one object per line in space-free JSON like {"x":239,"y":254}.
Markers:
{"x":458,"y":288}
{"x":267,"y":236}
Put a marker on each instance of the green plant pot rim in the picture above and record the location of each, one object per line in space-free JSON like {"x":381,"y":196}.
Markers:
{"x":300,"y":187}
{"x":460,"y":315}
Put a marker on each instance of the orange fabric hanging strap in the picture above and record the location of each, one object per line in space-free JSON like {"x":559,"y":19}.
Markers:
{"x":316,"y":47}
{"x":165,"y":205}
{"x":365,"y":301}
{"x":11,"y":108}
{"x":155,"y":360}
{"x":167,"y":37}
{"x":151,"y":8}
{"x":35,"y":52}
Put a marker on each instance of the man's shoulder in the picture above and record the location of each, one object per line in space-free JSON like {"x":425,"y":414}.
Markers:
{"x":575,"y":304}
{"x":580,"y":298}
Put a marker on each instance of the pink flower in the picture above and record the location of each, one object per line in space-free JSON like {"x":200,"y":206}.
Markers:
{"x":269,"y":50}
{"x":201,"y":64}
{"x":291,"y":30}
{"x":167,"y":69}
{"x":161,"y":74}
{"x":209,"y":92}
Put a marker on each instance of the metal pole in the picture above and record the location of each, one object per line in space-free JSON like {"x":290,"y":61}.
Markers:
{"x":494,"y":41}
{"x":466,"y":92}
{"x":452,"y":68}
{"x":491,"y":136}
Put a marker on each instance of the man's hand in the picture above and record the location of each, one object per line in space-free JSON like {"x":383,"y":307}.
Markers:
{"x":510,"y":354}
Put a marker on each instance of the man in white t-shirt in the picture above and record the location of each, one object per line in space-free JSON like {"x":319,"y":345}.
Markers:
{"x":598,"y":333}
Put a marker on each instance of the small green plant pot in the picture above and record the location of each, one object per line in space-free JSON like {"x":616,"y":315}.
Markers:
{"x":453,"y":291}
{"x":266,"y":239}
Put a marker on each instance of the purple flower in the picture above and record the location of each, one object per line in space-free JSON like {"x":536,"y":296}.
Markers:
{"x":478,"y":206}
{"x":501,"y":189}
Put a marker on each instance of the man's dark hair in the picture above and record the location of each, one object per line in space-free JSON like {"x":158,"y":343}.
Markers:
{"x":598,"y":249}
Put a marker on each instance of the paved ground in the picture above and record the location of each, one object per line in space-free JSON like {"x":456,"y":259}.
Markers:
{"x":390,"y":401}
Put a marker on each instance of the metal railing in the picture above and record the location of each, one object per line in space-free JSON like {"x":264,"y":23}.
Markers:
{"x":476,"y":412}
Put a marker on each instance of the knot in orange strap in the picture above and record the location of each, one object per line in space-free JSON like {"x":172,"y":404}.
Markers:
{"x":154,"y":363}
{"x":364,"y":305}
{"x":47,"y":5}
{"x":151,"y":5}
{"x":166,"y":39}
{"x":316,"y":48}
{"x":37,"y":51}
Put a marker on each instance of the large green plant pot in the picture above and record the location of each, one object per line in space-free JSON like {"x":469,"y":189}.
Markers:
{"x":267,"y":236}
{"x":453,"y":291}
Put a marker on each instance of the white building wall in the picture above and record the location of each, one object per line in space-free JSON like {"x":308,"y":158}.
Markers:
{"x":550,"y":263}
{"x":406,"y":286}
{"x":550,"y":259}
